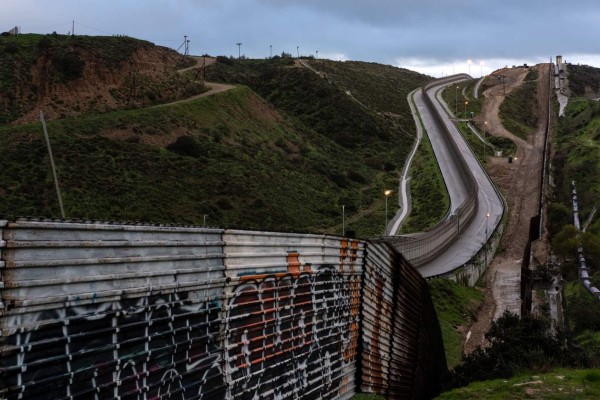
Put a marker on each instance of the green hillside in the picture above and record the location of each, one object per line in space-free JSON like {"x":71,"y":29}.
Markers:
{"x":282,"y":151}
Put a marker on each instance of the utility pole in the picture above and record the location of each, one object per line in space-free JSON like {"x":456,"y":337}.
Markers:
{"x":62,"y":210}
{"x":343,"y":220}
{"x":239,"y":45}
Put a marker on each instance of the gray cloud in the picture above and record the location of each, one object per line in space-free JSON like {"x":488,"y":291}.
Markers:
{"x":441,"y":31}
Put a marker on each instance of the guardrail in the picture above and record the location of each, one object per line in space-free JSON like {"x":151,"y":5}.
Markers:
{"x":107,"y":310}
{"x":422,"y":248}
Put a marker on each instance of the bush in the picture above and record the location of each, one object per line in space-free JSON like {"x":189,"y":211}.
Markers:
{"x":187,"y":146}
{"x":515,"y":344}
{"x":68,"y":65}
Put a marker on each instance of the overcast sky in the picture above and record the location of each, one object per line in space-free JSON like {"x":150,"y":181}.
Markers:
{"x":436,"y":37}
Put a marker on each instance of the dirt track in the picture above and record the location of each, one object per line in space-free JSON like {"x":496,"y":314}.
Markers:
{"x":520,"y":184}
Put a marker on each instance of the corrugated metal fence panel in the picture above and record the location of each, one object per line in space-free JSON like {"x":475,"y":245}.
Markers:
{"x":377,"y":312}
{"x":418,"y":361}
{"x":292,"y":315}
{"x":136,"y":312}
{"x":108,"y":311}
{"x":2,"y":244}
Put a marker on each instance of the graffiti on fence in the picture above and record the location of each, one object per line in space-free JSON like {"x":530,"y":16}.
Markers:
{"x":138,"y":348}
{"x":294,"y":331}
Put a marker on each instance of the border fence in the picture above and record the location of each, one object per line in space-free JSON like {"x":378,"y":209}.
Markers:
{"x":93,"y":310}
{"x":422,"y":248}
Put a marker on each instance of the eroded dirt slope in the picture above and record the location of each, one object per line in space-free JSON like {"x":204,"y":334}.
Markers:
{"x":520,"y":183}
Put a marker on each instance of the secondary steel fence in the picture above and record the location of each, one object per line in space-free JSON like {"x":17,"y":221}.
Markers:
{"x":422,"y":248}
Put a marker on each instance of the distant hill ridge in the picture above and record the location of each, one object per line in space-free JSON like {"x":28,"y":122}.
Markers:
{"x":72,"y":75}
{"x":284,"y":150}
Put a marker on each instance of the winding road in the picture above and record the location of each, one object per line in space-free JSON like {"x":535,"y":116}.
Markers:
{"x":491,"y":207}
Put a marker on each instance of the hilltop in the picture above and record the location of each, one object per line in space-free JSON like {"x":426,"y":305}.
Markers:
{"x":283,"y":150}
{"x":73,"y":75}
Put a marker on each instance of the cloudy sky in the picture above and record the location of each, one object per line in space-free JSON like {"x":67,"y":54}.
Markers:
{"x":437,"y":37}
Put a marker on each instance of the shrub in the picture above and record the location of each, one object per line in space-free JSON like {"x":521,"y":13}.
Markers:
{"x":515,"y":344}
{"x":187,"y":146}
{"x":68,"y":65}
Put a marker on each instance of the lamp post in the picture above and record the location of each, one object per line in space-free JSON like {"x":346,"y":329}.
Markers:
{"x":386,"y":194}
{"x":343,"y":220}
{"x":270,"y":51}
{"x":204,"y":221}
{"x":487,"y":217}
{"x":456,"y":100}
{"x":317,"y":56}
{"x":484,"y":129}
{"x":298,"y":50}
{"x":239,"y":45}
{"x":466,"y":103}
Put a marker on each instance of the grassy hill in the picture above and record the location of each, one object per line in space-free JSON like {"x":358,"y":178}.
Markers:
{"x":283,"y":151}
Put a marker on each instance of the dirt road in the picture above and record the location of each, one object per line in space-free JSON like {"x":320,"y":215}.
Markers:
{"x":520,"y":183}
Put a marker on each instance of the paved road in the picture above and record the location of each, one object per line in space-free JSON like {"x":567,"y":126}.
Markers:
{"x":403,"y":200}
{"x":474,"y":236}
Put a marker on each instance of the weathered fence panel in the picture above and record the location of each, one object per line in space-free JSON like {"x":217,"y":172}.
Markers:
{"x":110,"y":311}
{"x":292,"y":315}
{"x":102,"y":311}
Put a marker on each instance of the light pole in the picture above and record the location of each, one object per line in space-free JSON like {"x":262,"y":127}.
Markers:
{"x":456,"y":100}
{"x":343,"y":220}
{"x":386,"y":194}
{"x":270,"y":51}
{"x":298,"y":50}
{"x":487,"y":217}
{"x":204,"y":222}
{"x":484,"y":129}
{"x":317,"y":56}
{"x":466,"y":103}
{"x":239,"y":45}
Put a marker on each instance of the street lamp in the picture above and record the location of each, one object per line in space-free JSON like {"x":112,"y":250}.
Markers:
{"x":386,"y":194}
{"x":298,"y":50}
{"x":239,"y":45}
{"x":317,"y":56}
{"x":484,"y":129}
{"x":487,"y":217}
{"x":466,"y":103}
{"x":270,"y":51}
{"x":343,"y":220}
{"x":456,"y":100}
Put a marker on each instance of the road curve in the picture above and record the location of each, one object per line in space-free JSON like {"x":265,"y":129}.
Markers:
{"x":491,"y":207}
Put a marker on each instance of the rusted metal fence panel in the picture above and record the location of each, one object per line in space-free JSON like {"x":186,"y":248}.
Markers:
{"x":102,"y":311}
{"x":292,"y":315}
{"x":377,"y":321}
{"x":111,"y":311}
{"x":418,"y":361}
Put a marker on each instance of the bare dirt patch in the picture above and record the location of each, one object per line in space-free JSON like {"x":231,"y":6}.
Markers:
{"x":520,"y":183}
